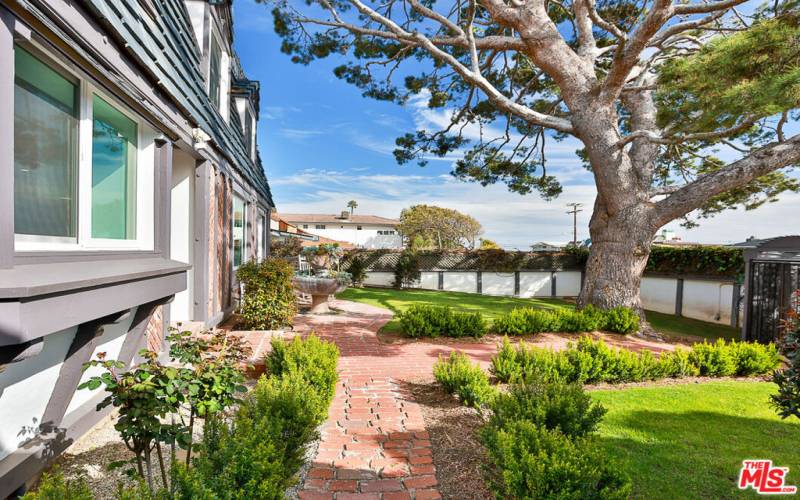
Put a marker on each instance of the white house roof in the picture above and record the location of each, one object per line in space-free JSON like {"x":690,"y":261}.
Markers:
{"x":338,"y":219}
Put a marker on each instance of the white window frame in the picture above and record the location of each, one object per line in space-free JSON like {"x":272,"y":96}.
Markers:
{"x":261,"y":235}
{"x":145,"y":173}
{"x":245,"y":207}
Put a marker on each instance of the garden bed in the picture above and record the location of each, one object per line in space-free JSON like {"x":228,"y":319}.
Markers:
{"x":678,"y":438}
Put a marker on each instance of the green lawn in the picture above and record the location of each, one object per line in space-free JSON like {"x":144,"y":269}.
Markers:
{"x":491,"y":307}
{"x":688,"y":441}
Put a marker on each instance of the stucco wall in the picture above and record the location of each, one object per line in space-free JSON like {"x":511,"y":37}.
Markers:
{"x":366,"y":237}
{"x":704,"y":300}
{"x":25,"y":389}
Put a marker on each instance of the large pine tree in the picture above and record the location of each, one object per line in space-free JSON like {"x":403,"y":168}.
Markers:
{"x":653,"y":89}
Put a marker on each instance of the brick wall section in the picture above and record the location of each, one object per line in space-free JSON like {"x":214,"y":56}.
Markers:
{"x":154,"y":333}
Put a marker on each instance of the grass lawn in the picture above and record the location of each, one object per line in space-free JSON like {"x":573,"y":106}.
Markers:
{"x":688,"y":441}
{"x":491,"y":307}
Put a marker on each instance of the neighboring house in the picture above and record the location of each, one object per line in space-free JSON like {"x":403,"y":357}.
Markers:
{"x":364,"y":231}
{"x":130,"y":191}
{"x":541,"y":246}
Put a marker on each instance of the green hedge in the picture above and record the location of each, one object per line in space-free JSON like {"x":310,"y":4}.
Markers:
{"x":258,"y":452}
{"x":527,"y":321}
{"x":441,"y":321}
{"x":268,"y":301}
{"x":592,"y":361}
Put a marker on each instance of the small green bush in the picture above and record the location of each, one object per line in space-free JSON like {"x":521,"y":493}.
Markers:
{"x":469,"y":382}
{"x":556,"y":406}
{"x":422,"y":320}
{"x":678,"y":364}
{"x":406,"y":271}
{"x":621,"y":320}
{"x":53,"y":486}
{"x":258,"y":455}
{"x":268,"y":301}
{"x":357,"y":270}
{"x":312,"y":359}
{"x":713,"y":360}
{"x":754,"y":358}
{"x":524,"y":321}
{"x":535,"y":462}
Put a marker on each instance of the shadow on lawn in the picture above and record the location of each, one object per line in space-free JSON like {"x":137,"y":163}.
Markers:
{"x":698,"y":454}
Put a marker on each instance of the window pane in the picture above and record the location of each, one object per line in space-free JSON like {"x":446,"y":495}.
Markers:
{"x":113,"y":173}
{"x":238,"y":230}
{"x":248,"y":132}
{"x":45,"y":145}
{"x":214,"y":72}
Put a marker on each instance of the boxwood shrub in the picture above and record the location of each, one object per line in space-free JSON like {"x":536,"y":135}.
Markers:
{"x":589,"y":361}
{"x":436,"y":321}
{"x":268,"y":300}
{"x":531,"y":461}
{"x":460,"y":377}
{"x":528,"y":321}
{"x":258,"y":451}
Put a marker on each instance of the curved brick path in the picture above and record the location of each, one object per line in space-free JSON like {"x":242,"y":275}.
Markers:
{"x":374,"y":445}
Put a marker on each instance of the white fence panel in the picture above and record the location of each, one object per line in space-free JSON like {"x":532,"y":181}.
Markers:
{"x":568,"y":283}
{"x":658,"y":294}
{"x":379,"y":279}
{"x":708,"y":300}
{"x":461,"y":282}
{"x":429,"y":280}
{"x":534,"y":284}
{"x":493,"y":283}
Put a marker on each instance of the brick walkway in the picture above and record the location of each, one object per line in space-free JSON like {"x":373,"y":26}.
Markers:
{"x":374,"y":445}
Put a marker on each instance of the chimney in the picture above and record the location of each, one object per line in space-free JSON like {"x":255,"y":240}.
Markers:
{"x":345,"y":214}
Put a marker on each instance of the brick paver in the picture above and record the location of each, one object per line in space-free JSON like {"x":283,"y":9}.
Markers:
{"x":374,"y":444}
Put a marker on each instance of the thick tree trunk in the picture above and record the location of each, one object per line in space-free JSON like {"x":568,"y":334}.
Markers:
{"x":620,"y":248}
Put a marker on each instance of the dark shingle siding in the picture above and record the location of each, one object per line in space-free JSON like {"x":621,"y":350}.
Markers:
{"x":166,"y":45}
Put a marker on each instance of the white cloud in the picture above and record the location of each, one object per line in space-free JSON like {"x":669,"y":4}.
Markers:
{"x":299,"y":134}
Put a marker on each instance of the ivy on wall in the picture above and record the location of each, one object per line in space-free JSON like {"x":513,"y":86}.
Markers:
{"x":689,"y":260}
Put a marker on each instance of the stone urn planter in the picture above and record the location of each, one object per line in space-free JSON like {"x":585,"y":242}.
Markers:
{"x":319,"y":289}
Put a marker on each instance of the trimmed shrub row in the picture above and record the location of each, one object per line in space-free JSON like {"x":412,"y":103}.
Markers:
{"x":528,"y":320}
{"x":268,"y":301}
{"x":442,"y":321}
{"x":258,"y":452}
{"x":435,"y":321}
{"x":592,"y":361}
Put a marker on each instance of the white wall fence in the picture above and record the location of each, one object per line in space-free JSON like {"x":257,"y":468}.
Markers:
{"x":715,"y":301}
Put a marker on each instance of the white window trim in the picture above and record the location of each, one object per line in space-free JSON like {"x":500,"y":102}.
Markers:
{"x":145,"y":177}
{"x":245,"y":206}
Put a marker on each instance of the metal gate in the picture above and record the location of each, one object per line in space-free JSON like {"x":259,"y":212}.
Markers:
{"x":771,"y":285}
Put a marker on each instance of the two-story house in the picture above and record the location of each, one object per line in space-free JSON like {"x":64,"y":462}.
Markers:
{"x":131,"y":189}
{"x":363,"y":231}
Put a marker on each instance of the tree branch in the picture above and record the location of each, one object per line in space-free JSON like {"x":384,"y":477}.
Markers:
{"x":703,"y":8}
{"x":700,"y":136}
{"x":772,"y":157}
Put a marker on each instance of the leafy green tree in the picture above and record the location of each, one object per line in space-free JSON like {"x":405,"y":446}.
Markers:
{"x":352,"y":205}
{"x":429,"y":226}
{"x":655,"y":91}
{"x":487,"y":244}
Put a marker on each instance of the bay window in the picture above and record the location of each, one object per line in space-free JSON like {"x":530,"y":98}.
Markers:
{"x":83,"y":165}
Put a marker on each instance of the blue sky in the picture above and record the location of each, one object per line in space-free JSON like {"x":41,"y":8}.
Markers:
{"x":323,"y":144}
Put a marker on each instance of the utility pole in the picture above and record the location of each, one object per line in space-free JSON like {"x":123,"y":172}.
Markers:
{"x":575,"y":209}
